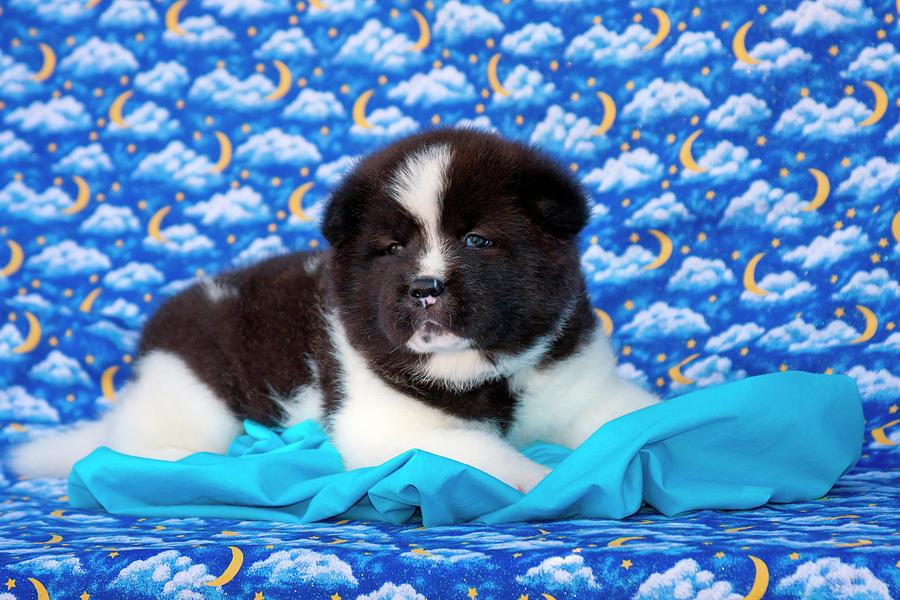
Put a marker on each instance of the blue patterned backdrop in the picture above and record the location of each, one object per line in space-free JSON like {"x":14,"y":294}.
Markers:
{"x":744,"y":163}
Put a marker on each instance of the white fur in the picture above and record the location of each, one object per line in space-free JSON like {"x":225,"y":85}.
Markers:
{"x":569,"y":400}
{"x":443,"y":342}
{"x":166,"y":413}
{"x":216,"y":290}
{"x":418,"y":185}
{"x":376,"y":423}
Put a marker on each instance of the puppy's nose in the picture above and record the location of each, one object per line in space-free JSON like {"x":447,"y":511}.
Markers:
{"x":426,"y":287}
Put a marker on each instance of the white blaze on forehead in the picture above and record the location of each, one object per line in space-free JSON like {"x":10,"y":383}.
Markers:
{"x":418,"y":185}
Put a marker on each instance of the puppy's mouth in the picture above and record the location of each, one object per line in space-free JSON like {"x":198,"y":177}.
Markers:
{"x":432,"y":336}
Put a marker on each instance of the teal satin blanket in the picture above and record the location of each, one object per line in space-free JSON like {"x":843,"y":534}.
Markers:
{"x":774,"y":438}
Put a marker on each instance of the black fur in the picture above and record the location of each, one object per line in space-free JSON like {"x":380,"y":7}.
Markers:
{"x":271,"y":338}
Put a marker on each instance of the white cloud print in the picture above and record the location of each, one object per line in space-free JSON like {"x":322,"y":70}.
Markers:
{"x":62,"y":11}
{"x":781,"y":287}
{"x":286,"y":43}
{"x":456,"y":21}
{"x":823,"y":17}
{"x":85,"y":159}
{"x":558,"y":572}
{"x":59,"y":369}
{"x":712,"y":370}
{"x":147,"y":121}
{"x":775,"y":56}
{"x":20,"y":200}
{"x":698,"y":273}
{"x":386,"y":122}
{"x":819,"y":121}
{"x":165,"y":78}
{"x":601,"y":265}
{"x":248,"y":8}
{"x":15,"y":78}
{"x":12,"y":147}
{"x":68,"y":258}
{"x":54,"y":116}
{"x":630,"y":170}
{"x":133,"y":275}
{"x":693,"y":46}
{"x":392,"y":591}
{"x":738,"y":112}
{"x":533,"y":40}
{"x":662,"y":99}
{"x":665,"y":209}
{"x":240,"y":205}
{"x":378,"y":46}
{"x":438,"y":86}
{"x":875,"y":62}
{"x":182,"y":239}
{"x":661,"y":320}
{"x":167,"y":575}
{"x":800,"y":336}
{"x":125,"y":311}
{"x":685,"y":580}
{"x":224,"y":90}
{"x":260,"y":249}
{"x":602,"y":46}
{"x":875,"y":385}
{"x":828,"y":250}
{"x":96,"y":57}
{"x":179,"y":165}
{"x":300,"y":566}
{"x":763,"y":204}
{"x":734,"y":336}
{"x":110,"y":220}
{"x":525,"y":87}
{"x":868,"y":287}
{"x":871,"y":180}
{"x":276,"y":147}
{"x":200,"y":32}
{"x":725,"y":161}
{"x":566,"y":133}
{"x":312,"y":105}
{"x":17,"y":405}
{"x":129,"y":14}
{"x":830,"y":578}
{"x":332,"y":172}
{"x":10,"y":338}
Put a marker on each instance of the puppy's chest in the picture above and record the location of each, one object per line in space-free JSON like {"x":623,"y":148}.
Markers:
{"x":494,"y":402}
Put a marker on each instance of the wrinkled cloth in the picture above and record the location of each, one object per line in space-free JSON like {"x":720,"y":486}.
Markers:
{"x":782,"y":437}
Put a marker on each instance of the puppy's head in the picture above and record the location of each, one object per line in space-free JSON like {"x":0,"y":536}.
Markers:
{"x":454,"y":248}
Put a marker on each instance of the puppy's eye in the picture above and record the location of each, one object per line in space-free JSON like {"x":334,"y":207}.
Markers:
{"x":395,"y":248}
{"x":473,"y":240}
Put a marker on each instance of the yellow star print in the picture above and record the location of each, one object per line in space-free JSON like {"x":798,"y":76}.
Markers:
{"x":10,"y":584}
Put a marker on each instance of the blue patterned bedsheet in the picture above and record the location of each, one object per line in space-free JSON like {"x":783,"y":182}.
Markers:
{"x":744,"y":162}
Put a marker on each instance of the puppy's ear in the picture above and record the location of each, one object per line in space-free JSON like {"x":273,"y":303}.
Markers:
{"x":341,"y":214}
{"x":553,"y":197}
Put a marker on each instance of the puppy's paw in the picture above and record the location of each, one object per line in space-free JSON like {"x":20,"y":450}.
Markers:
{"x":526,"y":481}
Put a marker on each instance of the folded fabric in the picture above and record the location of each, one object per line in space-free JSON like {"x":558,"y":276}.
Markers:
{"x":774,"y":438}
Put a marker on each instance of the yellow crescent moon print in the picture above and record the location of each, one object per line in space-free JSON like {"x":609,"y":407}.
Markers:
{"x":664,"y":26}
{"x":91,"y":4}
{"x":739,"y":47}
{"x":424,"y":32}
{"x":115,"y":109}
{"x":40,"y":589}
{"x":88,"y":303}
{"x":881,"y":103}
{"x":675,"y":372}
{"x":155,"y":221}
{"x":855,"y":544}
{"x":605,"y":321}
{"x":106,"y":383}
{"x":284,"y":81}
{"x":618,"y":542}
{"x":421,"y":552}
{"x":881,"y":437}
{"x":225,"y":151}
{"x":871,"y":325}
{"x":895,"y":226}
{"x":54,"y":539}
{"x":823,"y":187}
{"x":359,"y":110}
{"x":750,"y":276}
{"x":49,"y":64}
{"x":318,"y":4}
{"x":172,"y":15}
{"x":609,"y":113}
{"x":82,"y":199}
{"x":58,"y":513}
{"x":760,"y":580}
{"x":665,"y":250}
{"x":33,"y":337}
{"x":16,"y":257}
{"x":493,"y":80}
{"x":237,"y":559}
{"x":685,"y":156}
{"x":295,"y":202}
